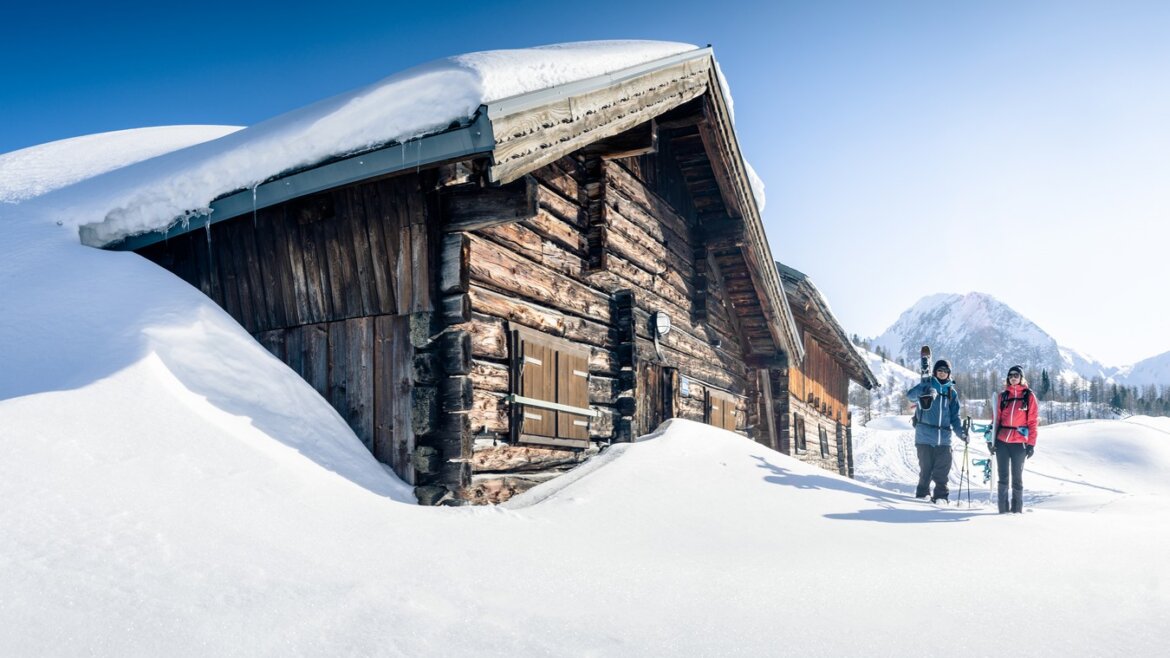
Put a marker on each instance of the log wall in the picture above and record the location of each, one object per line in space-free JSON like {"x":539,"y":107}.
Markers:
{"x":598,"y":230}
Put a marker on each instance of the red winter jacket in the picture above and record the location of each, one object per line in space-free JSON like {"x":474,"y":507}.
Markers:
{"x":1016,"y":407}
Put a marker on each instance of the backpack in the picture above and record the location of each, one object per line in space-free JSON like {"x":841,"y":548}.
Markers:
{"x":951,"y":394}
{"x":1004,"y":399}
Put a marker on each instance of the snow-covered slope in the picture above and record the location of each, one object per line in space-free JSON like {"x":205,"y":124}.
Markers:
{"x":691,"y":542}
{"x":889,"y":397}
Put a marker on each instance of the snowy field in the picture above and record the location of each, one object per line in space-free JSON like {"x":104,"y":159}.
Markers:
{"x":167,"y":488}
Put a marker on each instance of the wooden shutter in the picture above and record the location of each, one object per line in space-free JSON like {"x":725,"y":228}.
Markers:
{"x":550,"y":370}
{"x":538,"y":380}
{"x":573,"y":390}
{"x":721,"y":409}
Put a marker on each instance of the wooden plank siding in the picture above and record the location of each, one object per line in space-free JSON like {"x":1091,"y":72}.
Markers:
{"x":328,"y":283}
{"x":814,"y":398}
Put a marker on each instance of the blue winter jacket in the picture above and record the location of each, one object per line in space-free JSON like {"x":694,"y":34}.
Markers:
{"x":936,"y":423}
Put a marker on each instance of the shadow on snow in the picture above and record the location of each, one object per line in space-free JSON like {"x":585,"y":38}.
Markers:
{"x":891,"y":507}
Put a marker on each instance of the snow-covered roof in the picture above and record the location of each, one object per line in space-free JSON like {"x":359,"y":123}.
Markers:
{"x":518,"y":109}
{"x":400,"y":110}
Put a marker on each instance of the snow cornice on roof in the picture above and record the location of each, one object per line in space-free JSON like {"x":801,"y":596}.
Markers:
{"x":474,"y":138}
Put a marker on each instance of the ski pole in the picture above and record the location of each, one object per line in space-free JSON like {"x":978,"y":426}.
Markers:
{"x":966,"y":472}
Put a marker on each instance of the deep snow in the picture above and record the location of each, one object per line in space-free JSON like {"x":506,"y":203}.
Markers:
{"x":168,"y":488}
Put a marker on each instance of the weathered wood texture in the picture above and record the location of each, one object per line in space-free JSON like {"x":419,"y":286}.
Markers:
{"x":820,"y":382}
{"x":329,"y":283}
{"x":533,"y":137}
{"x":365,"y":368}
{"x":357,"y":251}
{"x":542,"y":274}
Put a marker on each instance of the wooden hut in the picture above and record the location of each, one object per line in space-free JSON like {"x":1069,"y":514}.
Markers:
{"x":812,"y":408}
{"x":488,"y":305}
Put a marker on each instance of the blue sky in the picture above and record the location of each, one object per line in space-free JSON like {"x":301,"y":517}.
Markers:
{"x":1020,"y":149}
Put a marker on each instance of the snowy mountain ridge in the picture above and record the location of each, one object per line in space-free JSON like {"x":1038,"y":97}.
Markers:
{"x":978,"y":332}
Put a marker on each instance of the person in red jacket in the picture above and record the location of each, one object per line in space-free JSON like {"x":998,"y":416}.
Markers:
{"x":1016,"y":420}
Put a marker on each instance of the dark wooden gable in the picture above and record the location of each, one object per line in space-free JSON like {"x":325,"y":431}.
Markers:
{"x":812,"y":315}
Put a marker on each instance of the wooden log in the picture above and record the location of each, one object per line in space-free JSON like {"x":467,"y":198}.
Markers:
{"x":654,"y":214}
{"x":603,"y":390}
{"x":471,"y":207}
{"x":602,"y":426}
{"x":521,"y":458}
{"x":455,"y":309}
{"x":684,"y":116}
{"x":453,"y":271}
{"x":457,"y":394}
{"x":455,"y":352}
{"x":489,"y":376}
{"x":559,"y":176}
{"x":492,"y":303}
{"x":593,"y":204}
{"x":510,"y":272}
{"x":489,"y":413}
{"x":488,"y":336}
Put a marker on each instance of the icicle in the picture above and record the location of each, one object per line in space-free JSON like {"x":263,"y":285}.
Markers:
{"x":254,"y":187}
{"x":210,"y":254}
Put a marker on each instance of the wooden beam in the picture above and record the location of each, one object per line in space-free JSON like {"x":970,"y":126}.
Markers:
{"x":686,"y":115}
{"x":642,"y":139}
{"x":593,"y":202}
{"x":470,"y":207}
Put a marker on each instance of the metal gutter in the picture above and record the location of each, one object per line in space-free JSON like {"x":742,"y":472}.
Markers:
{"x":473,"y":139}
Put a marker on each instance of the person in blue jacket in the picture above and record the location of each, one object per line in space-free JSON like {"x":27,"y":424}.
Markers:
{"x":933,"y":428}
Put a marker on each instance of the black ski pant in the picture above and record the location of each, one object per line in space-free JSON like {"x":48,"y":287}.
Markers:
{"x":934,"y":463}
{"x":1009,"y":459}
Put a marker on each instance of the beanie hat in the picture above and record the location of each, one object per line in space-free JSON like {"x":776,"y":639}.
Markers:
{"x":942,"y":363}
{"x":1016,"y":370}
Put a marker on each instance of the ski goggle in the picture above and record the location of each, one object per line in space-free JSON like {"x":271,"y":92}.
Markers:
{"x":943,"y":369}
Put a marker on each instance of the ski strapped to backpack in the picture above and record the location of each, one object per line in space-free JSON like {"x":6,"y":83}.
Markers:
{"x":924,"y":401}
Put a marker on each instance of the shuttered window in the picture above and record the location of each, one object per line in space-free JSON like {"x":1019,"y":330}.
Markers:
{"x":721,"y":409}
{"x":551,"y":376}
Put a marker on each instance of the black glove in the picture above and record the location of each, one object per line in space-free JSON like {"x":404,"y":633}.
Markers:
{"x":1029,"y":451}
{"x":991,"y":447}
{"x":965,"y":436}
